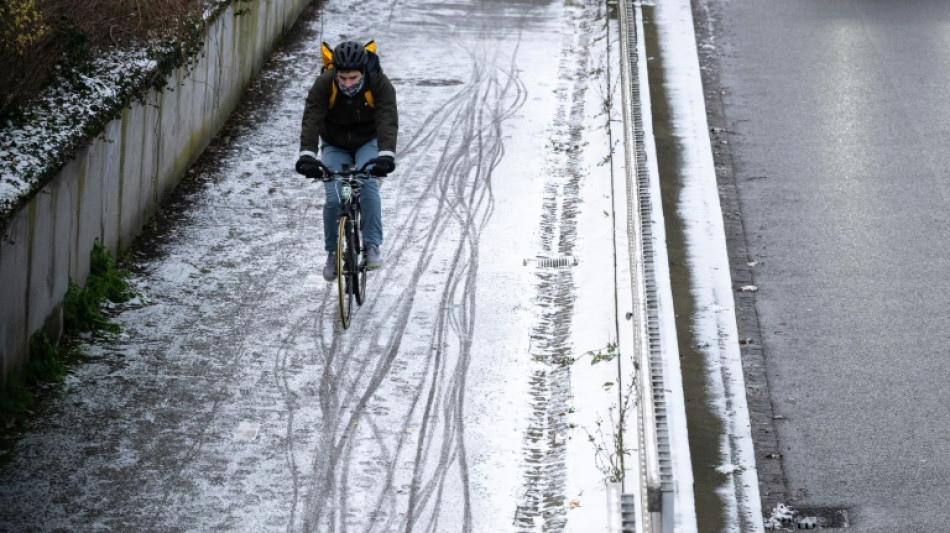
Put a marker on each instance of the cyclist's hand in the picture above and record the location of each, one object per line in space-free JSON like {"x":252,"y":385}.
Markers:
{"x":382,"y":165}
{"x":309,"y":166}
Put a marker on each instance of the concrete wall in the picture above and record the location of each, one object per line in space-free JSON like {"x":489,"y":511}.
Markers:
{"x":115,"y":184}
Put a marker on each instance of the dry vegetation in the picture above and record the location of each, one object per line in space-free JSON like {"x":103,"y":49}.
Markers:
{"x":38,"y":35}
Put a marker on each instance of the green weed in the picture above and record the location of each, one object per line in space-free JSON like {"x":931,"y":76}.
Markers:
{"x":15,"y":403}
{"x":610,"y":450}
{"x":106,"y":280}
{"x":82,"y":312}
{"x":46,"y":364}
{"x":82,"y":308}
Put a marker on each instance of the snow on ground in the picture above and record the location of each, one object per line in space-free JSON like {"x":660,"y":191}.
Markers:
{"x":714,"y":323}
{"x":233,"y":399}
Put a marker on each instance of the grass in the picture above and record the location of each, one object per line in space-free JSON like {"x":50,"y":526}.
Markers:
{"x":610,"y":450}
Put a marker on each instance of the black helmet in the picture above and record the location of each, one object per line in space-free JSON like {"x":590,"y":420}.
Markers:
{"x":349,"y":55}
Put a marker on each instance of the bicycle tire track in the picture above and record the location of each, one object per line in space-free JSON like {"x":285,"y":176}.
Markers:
{"x":456,"y":450}
{"x":363,"y":429}
{"x":452,"y":409}
{"x":462,"y":183}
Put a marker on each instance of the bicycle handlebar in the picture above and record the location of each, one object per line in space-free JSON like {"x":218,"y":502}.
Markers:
{"x":346,"y":172}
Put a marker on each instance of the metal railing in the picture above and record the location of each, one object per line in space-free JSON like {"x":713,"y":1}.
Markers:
{"x":653,"y":506}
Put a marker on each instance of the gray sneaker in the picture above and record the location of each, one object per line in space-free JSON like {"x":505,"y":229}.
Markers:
{"x":329,"y":269}
{"x":374,"y":258}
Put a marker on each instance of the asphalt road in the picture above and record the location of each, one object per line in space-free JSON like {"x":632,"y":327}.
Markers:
{"x":837,"y":116}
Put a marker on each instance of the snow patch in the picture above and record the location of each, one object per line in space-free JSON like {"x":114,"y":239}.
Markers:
{"x":68,"y":112}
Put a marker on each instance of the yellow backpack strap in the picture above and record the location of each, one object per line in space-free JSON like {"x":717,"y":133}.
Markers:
{"x":333,"y":92}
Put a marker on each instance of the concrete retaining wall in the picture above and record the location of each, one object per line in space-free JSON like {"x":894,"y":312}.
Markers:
{"x":117,"y":182}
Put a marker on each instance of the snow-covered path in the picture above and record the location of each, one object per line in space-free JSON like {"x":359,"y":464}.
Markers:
{"x":233,"y":400}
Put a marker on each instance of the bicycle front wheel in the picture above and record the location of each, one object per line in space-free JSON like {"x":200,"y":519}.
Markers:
{"x":359,"y":275}
{"x":345,"y":268}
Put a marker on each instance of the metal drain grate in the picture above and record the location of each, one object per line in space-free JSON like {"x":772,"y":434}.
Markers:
{"x":565,"y":261}
{"x":786,"y":518}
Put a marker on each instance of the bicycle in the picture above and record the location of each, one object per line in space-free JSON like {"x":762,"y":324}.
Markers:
{"x":350,"y":260}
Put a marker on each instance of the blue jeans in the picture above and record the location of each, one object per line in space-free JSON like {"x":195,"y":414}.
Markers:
{"x":371,"y":207}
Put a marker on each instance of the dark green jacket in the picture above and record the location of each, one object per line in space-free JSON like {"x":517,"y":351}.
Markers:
{"x":351,"y":122}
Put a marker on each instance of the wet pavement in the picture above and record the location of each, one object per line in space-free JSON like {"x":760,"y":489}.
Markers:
{"x":834,"y":114}
{"x":233,"y":400}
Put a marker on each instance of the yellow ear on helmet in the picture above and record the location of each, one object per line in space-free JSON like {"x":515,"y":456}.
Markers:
{"x":327,"y":54}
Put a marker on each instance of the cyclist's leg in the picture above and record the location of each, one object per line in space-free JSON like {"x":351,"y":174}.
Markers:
{"x":334,"y":158}
{"x":370,"y":203}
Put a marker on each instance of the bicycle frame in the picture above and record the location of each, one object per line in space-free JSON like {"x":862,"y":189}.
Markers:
{"x":350,"y":262}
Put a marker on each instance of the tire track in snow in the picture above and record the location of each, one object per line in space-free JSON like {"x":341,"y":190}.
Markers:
{"x":242,"y":314}
{"x":360,"y":430}
{"x":427,"y":454}
{"x":543,"y":505}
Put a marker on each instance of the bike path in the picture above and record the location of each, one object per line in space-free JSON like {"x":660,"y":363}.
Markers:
{"x":233,"y":400}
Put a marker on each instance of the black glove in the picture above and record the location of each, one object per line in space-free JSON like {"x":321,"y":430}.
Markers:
{"x":309,"y":166}
{"x":382,"y":165}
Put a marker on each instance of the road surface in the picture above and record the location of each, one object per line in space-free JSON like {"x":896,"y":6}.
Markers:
{"x":833,"y":119}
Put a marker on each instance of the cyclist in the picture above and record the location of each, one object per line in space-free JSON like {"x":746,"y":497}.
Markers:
{"x":350,"y":116}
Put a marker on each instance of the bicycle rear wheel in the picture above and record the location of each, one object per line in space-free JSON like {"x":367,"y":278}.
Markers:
{"x":345,"y":267}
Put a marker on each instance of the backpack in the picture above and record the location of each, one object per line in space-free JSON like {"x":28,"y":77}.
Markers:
{"x":371,"y":63}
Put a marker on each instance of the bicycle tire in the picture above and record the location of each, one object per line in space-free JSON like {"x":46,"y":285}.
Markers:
{"x":344,"y":271}
{"x":359,"y":276}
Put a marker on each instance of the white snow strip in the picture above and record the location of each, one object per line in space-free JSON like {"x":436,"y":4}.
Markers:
{"x":714,"y":321}
{"x":684,"y":501}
